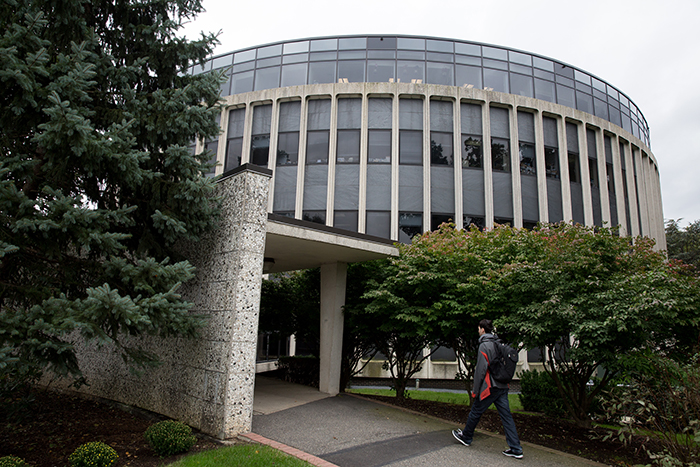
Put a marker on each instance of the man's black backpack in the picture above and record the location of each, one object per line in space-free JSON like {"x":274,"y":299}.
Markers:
{"x":502,"y":368}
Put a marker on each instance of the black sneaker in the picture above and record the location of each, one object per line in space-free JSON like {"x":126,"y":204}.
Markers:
{"x":458,"y":436}
{"x":511,"y":453}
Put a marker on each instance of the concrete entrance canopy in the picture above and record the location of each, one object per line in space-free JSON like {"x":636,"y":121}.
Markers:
{"x":294,"y":244}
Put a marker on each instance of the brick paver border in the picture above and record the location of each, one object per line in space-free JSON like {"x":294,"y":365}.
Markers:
{"x":313,"y":460}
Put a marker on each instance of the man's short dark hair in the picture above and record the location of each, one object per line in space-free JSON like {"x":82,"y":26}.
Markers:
{"x":486,"y":325}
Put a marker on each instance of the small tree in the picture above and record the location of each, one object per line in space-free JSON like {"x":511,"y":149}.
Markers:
{"x":435,"y":293}
{"x":587,"y":298}
{"x":684,"y":243}
{"x":403,"y":328}
{"x":451,"y":267}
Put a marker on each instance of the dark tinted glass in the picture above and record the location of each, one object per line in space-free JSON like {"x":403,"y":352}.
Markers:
{"x":317,"y":147}
{"x":411,"y":147}
{"x":379,"y":147}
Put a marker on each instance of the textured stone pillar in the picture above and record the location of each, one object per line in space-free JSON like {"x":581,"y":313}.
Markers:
{"x":333,"y":277}
{"x":207,"y":382}
{"x":247,"y":216}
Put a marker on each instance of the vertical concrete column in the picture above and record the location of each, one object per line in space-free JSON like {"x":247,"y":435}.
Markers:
{"x":427,"y":207}
{"x":457,"y":138}
{"x":541,"y":168}
{"x":522,"y":357}
{"x":643,"y":190}
{"x":395,"y":167}
{"x":333,"y":278}
{"x":364,"y":150}
{"x":585,"y":174}
{"x":247,"y":133}
{"x":332,"y":153}
{"x":516,"y":184}
{"x":221,"y":148}
{"x":564,"y":170}
{"x":619,"y":186}
{"x":630,"y":173}
{"x":603,"y":176}
{"x":301,"y":161}
{"x":272,"y":157}
{"x":487,"y":164}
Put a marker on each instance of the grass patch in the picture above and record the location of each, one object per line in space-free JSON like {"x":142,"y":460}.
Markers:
{"x":437,"y":396}
{"x":249,"y":455}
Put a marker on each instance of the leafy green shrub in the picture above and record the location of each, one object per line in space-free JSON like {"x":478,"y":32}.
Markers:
{"x":539,"y":393}
{"x":12,"y":461}
{"x":661,"y":397}
{"x":94,"y":454}
{"x":170,"y":437}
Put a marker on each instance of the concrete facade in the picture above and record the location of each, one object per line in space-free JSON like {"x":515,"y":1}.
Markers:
{"x":315,"y":111}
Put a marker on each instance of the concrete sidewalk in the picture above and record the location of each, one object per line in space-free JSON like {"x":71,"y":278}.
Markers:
{"x":348,"y":431}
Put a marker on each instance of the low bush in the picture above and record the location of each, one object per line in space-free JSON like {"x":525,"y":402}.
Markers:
{"x":661,"y":400}
{"x":170,"y":437}
{"x":94,"y":454}
{"x":12,"y":461}
{"x":539,"y":393}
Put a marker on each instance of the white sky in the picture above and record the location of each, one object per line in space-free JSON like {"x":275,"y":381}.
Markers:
{"x":649,"y":49}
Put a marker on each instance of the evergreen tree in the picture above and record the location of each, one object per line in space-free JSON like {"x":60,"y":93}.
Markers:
{"x":98,"y":177}
{"x":684,"y":243}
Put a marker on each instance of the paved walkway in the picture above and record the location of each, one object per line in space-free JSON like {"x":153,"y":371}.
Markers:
{"x":348,"y":431}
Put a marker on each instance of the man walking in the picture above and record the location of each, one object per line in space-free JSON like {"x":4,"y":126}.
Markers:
{"x":487,"y":391}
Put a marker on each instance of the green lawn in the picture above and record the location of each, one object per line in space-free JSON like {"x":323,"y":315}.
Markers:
{"x":248,"y":455}
{"x":439,"y":396}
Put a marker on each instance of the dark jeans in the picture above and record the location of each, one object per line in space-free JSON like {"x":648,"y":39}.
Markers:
{"x":499,"y":397}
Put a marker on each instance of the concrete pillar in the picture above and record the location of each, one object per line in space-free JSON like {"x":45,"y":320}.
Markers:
{"x":333,"y":277}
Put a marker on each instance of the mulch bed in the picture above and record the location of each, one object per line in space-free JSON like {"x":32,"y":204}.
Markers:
{"x":56,"y":424}
{"x":539,"y":429}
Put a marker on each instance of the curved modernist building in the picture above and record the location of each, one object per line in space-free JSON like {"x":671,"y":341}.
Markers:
{"x":392,"y":135}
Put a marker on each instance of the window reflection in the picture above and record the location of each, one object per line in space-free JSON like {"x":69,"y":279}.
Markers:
{"x":234,"y":143}
{"x":318,"y":217}
{"x":551,"y":161}
{"x":441,"y":148}
{"x":472,"y":152}
{"x":476,"y":221}
{"x":288,"y":148}
{"x":527,"y":158}
{"x":500,"y":154}
{"x":410,"y":225}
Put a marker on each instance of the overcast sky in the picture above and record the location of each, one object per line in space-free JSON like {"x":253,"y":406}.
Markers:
{"x":649,"y":49}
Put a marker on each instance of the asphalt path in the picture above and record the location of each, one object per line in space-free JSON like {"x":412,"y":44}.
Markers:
{"x":349,"y":431}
